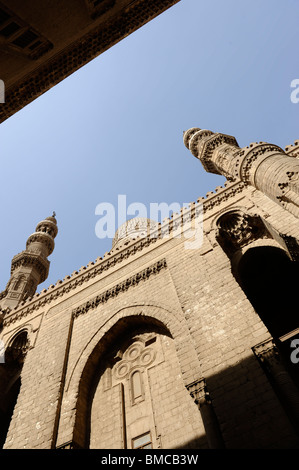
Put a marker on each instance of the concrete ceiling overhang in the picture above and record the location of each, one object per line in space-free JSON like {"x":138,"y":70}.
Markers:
{"x":43,"y":42}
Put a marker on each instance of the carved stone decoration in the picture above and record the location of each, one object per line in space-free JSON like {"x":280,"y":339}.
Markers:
{"x":264,"y":166}
{"x":272,"y":362}
{"x":30,"y":267}
{"x":268,"y":353}
{"x":206,"y":145}
{"x":199,"y":393}
{"x":18,"y":348}
{"x":289,"y":192}
{"x":293,"y":150}
{"x":249,"y":156}
{"x":285,"y":187}
{"x":24,"y":259}
{"x":122,"y":287}
{"x":134,"y":228}
{"x":236,"y":229}
{"x":111,"y":259}
{"x":137,"y":357}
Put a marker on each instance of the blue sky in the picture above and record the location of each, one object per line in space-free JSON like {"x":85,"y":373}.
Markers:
{"x":115,"y":126}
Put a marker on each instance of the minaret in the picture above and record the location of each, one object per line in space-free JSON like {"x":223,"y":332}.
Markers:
{"x":30,"y":267}
{"x":264,"y":166}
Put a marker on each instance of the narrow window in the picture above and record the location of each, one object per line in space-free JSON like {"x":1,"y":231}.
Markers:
{"x":142,"y":442}
{"x":136,"y":382}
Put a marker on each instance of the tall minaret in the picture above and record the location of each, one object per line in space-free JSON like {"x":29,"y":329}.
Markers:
{"x":30,"y":267}
{"x":262,"y":165}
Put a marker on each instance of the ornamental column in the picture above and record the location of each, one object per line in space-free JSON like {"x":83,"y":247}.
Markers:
{"x":265,"y":166}
{"x":272,"y":362}
{"x":30,"y":267}
{"x":199,"y":393}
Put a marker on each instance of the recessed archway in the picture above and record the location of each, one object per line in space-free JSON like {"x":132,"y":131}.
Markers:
{"x":269,"y":278}
{"x":10,"y":380}
{"x":136,"y":347}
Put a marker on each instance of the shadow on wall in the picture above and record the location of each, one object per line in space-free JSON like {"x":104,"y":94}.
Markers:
{"x":256,"y":402}
{"x":10,"y":380}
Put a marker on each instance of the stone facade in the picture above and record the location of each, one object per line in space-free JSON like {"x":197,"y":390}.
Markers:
{"x":165,"y":345}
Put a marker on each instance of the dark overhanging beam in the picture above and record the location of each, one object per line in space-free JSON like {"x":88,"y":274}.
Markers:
{"x":101,"y":37}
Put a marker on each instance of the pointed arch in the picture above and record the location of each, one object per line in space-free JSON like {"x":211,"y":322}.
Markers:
{"x":10,"y":379}
{"x":269,"y":278}
{"x":146,"y":318}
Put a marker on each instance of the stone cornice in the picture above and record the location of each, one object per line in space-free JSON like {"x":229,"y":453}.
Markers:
{"x":249,"y":155}
{"x":121,"y":287}
{"x":122,"y":253}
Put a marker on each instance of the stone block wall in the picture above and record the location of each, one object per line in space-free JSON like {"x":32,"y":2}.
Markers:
{"x":205,"y":329}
